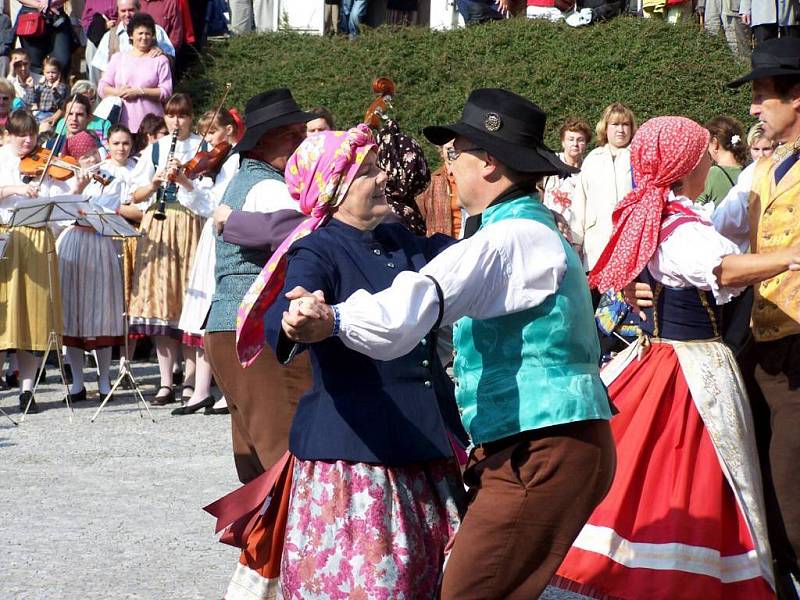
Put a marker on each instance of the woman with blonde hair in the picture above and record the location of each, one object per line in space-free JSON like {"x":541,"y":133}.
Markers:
{"x":759,"y":143}
{"x":604,"y":180}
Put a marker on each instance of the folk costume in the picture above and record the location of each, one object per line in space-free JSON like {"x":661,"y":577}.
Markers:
{"x":527,"y":382}
{"x":164,"y":254}
{"x":374,"y":482}
{"x":774,"y":202}
{"x":262,"y":398}
{"x":694,"y":526}
{"x":24,"y":270}
{"x":91,"y":278}
{"x":200,"y":289}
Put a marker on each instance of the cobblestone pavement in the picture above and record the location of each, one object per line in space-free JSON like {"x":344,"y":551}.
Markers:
{"x":112,"y":509}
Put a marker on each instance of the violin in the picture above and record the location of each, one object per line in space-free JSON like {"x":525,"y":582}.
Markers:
{"x":207,"y":162}
{"x":42,"y":161}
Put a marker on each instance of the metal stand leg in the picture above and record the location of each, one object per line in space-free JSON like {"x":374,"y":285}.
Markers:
{"x":7,"y":416}
{"x":53,"y":343}
{"x":125,"y":368}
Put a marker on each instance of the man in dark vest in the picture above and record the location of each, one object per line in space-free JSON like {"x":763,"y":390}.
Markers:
{"x":262,"y":398}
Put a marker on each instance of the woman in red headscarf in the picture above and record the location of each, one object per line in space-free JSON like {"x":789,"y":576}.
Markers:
{"x":684,"y":518}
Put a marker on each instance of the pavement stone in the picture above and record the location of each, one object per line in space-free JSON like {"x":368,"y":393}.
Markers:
{"x":113,"y":509}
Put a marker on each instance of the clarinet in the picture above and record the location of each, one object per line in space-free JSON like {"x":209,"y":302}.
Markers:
{"x":166,"y":190}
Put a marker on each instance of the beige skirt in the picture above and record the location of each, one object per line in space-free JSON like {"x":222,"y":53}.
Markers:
{"x":161,"y":270}
{"x":26,"y":313}
{"x":128,"y":259}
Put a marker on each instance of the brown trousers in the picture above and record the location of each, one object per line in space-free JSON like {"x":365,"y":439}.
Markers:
{"x":784,"y":450}
{"x":262,"y":399}
{"x":530,"y":500}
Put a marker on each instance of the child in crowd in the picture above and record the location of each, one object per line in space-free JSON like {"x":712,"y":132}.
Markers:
{"x":151,"y":129}
{"x":48,"y":96}
{"x":20,"y":74}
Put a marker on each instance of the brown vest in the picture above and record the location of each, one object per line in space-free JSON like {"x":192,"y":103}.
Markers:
{"x":439,"y":205}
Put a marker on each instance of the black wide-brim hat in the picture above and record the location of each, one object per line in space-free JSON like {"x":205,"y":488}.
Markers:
{"x":269,"y":110}
{"x":507,"y":126}
{"x":773,"y":58}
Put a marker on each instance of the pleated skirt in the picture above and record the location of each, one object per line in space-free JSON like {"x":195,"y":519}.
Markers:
{"x":200,"y":290}
{"x":161,"y":270}
{"x":91,"y":288}
{"x":26,"y":314}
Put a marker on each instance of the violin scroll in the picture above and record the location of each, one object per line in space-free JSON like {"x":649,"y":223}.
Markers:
{"x":377,"y":110}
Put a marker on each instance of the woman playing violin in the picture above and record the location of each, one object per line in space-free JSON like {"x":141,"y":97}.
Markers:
{"x":24,"y":270}
{"x":221,"y":132}
{"x":164,"y":254}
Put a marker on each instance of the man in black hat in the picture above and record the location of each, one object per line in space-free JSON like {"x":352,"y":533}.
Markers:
{"x":526,"y":353}
{"x":263,"y":397}
{"x":774,"y":206}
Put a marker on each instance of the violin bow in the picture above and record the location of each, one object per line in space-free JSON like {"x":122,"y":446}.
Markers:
{"x":59,"y":137}
{"x":214,"y":118}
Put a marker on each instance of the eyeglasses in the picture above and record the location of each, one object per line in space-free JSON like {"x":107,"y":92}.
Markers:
{"x":453,"y":154}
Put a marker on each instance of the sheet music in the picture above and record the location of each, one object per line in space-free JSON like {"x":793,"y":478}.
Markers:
{"x":108,"y":223}
{"x":38,"y":212}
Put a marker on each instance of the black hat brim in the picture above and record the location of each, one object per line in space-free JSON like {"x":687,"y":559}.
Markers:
{"x":253,"y":133}
{"x":540,"y":160}
{"x":762,"y":73}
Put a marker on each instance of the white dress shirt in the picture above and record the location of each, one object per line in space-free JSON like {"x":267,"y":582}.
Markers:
{"x":103,"y":54}
{"x":488,"y":275}
{"x":731,"y":217}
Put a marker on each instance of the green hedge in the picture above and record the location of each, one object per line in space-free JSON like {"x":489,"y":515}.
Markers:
{"x":655,"y":68}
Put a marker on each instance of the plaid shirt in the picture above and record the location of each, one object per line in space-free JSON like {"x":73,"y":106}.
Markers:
{"x":46,"y":98}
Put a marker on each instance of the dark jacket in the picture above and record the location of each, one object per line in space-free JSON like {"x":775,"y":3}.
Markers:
{"x":363,"y":410}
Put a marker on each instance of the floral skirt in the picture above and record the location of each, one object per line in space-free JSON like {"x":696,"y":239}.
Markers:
{"x":364,"y":531}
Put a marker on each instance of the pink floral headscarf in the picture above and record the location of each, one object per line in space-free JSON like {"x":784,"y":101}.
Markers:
{"x":663,"y":151}
{"x":318,"y":175}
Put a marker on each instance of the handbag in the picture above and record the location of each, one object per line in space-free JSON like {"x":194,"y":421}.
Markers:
{"x":31,"y":24}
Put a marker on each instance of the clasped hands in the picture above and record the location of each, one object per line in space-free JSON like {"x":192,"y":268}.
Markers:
{"x":309,"y":319}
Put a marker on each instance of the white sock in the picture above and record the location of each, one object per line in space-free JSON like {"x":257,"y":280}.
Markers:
{"x":221,"y":403}
{"x":103,"y":356}
{"x":75,"y":356}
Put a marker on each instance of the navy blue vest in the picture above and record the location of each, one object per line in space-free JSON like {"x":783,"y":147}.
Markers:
{"x":681,"y":314}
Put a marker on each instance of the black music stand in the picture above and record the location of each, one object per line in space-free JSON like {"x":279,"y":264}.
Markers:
{"x":109,"y":224}
{"x":40,"y":212}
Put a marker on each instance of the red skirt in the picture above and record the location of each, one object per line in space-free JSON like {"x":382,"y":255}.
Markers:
{"x":670,"y":528}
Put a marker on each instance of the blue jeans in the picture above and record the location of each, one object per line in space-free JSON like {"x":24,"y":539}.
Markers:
{"x":351,"y":14}
{"x":477,"y":11}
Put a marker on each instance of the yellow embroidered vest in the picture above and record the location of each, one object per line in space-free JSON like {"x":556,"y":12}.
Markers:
{"x":775,"y":225}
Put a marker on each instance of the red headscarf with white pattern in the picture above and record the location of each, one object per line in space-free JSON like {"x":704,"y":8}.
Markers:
{"x":663,"y":151}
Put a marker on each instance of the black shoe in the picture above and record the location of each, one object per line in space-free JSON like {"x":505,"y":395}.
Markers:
{"x":79,"y":397}
{"x":24,"y":397}
{"x":188,"y":410}
{"x":165,"y":399}
{"x":12,"y":379}
{"x":217,"y":411}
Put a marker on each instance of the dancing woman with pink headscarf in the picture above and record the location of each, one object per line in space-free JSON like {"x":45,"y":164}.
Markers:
{"x":374,"y":482}
{"x":684,"y":518}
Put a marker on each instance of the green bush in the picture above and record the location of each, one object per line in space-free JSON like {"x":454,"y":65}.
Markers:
{"x":653,"y":67}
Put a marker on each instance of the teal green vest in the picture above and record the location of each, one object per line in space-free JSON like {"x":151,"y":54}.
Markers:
{"x":237,"y":267}
{"x":534,"y":368}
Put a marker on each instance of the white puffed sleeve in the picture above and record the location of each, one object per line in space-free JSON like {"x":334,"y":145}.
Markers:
{"x":488,"y":275}
{"x":688,"y":258}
